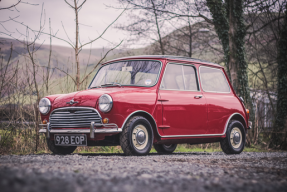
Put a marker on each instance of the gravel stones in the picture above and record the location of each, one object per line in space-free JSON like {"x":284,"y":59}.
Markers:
{"x":115,"y":172}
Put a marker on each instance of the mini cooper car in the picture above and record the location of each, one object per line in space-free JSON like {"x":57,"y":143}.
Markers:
{"x":144,"y":101}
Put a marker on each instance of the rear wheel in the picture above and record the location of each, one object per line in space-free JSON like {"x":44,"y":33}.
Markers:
{"x":165,"y":149}
{"x":137,"y":136}
{"x":234,"y":141}
{"x":60,"y":150}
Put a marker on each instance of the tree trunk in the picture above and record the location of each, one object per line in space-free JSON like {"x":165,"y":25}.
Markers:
{"x":229,"y":25}
{"x":190,"y":38}
{"x":232,"y":45}
{"x":157,"y":26}
{"x":220,"y":21}
{"x":77,"y":47}
{"x":237,"y":63}
{"x":277,"y":137}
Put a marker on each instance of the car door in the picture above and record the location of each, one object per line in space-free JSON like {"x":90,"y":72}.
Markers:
{"x":183,"y":105}
{"x":221,"y":102}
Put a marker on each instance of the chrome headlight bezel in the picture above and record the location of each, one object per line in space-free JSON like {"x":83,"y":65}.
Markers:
{"x":105,"y":103}
{"x":44,"y":106}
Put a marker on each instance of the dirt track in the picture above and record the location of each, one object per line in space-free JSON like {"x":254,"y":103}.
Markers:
{"x":115,"y":172}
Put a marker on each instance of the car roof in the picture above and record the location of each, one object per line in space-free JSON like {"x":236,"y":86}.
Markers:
{"x":168,"y":57}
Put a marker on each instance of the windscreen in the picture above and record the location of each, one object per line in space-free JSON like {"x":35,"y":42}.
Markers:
{"x":133,"y":72}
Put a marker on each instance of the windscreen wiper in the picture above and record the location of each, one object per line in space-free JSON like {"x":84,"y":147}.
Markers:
{"x":111,"y":84}
{"x":107,"y":84}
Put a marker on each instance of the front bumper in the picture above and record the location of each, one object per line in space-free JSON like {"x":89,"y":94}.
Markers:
{"x":105,"y":128}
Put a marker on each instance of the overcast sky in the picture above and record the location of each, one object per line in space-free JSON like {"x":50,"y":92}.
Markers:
{"x":94,"y":17}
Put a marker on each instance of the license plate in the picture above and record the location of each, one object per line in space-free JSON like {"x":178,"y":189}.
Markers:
{"x":70,"y":140}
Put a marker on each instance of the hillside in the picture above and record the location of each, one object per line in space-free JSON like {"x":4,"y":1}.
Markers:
{"x":61,"y":57}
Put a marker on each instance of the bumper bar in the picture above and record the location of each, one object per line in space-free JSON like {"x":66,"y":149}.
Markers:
{"x":107,"y":128}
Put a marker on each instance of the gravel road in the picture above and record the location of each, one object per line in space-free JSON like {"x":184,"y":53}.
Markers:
{"x":115,"y":172}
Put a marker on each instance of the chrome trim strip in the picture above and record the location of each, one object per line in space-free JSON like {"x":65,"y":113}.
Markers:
{"x":224,"y":78}
{"x":87,"y":131}
{"x":78,"y":117}
{"x":229,"y":120}
{"x":137,"y":112}
{"x":199,"y":135}
{"x":202,"y":135}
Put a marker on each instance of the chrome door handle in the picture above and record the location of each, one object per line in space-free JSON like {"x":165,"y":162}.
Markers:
{"x":162,"y":100}
{"x":197,"y":96}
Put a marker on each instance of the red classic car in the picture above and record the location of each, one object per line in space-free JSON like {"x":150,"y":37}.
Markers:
{"x":144,"y":101}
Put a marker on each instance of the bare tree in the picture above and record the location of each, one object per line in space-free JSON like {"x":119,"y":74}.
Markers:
{"x":147,"y":22}
{"x":77,"y":46}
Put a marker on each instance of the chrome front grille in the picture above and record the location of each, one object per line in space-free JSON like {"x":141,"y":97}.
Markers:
{"x":74,"y":117}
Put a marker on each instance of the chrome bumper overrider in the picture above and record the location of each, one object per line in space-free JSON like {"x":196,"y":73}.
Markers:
{"x":105,"y":128}
{"x":249,"y":124}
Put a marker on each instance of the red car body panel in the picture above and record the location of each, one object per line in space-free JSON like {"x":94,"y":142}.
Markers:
{"x":178,"y":115}
{"x":183,"y":113}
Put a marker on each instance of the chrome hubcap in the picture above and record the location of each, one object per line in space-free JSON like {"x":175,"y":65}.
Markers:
{"x":140,"y":137}
{"x":235,"y":137}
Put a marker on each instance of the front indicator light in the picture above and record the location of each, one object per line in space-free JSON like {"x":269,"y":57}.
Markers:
{"x":105,"y":120}
{"x":247,"y":111}
{"x":45,"y":122}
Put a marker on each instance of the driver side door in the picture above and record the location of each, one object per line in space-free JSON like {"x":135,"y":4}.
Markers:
{"x":184,"y":105}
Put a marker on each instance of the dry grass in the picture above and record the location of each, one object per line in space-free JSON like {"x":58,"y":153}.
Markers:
{"x":22,"y":141}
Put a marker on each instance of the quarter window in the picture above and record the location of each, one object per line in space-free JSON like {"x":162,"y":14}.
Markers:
{"x":213,"y":80}
{"x":179,"y":77}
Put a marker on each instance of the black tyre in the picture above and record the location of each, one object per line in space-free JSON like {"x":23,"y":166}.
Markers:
{"x":137,"y":136}
{"x":234,"y":141}
{"x":60,"y":150}
{"x":165,"y":149}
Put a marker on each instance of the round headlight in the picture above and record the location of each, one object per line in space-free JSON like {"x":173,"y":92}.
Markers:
{"x":44,"y":106}
{"x":105,"y":103}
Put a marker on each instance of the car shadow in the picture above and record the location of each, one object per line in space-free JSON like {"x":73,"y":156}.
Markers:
{"x":150,"y":154}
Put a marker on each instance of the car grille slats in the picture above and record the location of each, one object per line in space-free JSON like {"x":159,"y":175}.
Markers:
{"x":74,"y":117}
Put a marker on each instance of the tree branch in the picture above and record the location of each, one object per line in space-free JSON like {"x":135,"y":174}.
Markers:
{"x":100,"y":62}
{"x":14,"y":5}
{"x":104,"y":30}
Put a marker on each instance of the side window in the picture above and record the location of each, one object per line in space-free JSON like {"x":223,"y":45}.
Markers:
{"x":213,"y":80}
{"x":179,"y":77}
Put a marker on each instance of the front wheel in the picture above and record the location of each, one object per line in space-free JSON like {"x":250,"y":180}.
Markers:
{"x":60,"y":150}
{"x":137,"y":136}
{"x":165,"y":149}
{"x":234,"y":141}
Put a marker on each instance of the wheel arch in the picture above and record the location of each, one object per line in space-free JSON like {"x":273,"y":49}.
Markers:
{"x":238,"y":117}
{"x":146,"y":115}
